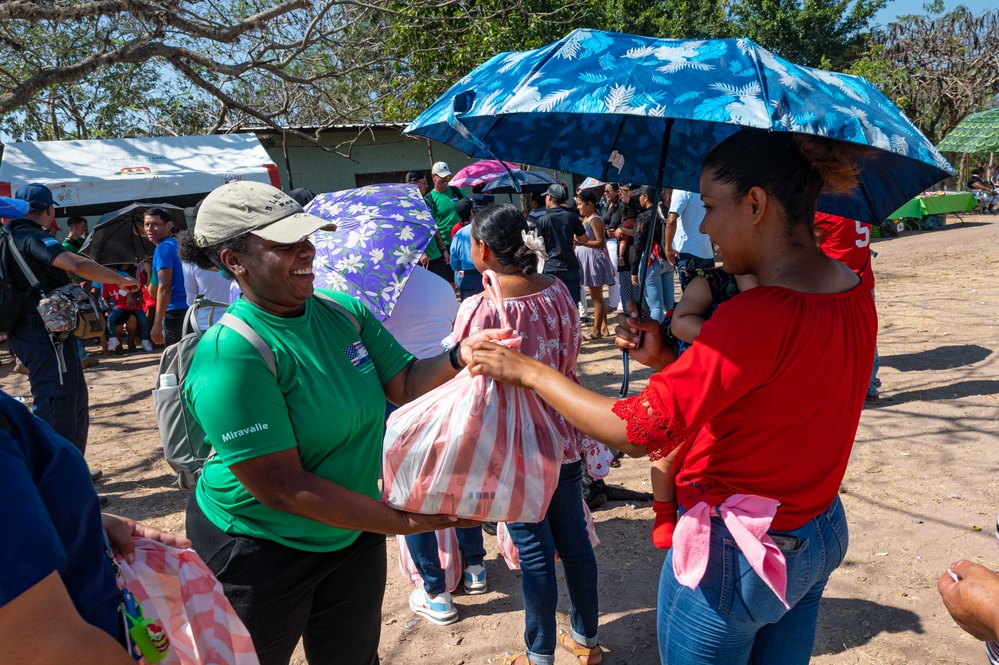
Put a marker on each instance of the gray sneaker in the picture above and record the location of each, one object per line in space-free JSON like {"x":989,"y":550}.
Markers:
{"x":475,"y":580}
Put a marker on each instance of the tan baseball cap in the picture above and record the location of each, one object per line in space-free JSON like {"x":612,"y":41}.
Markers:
{"x":245,"y":206}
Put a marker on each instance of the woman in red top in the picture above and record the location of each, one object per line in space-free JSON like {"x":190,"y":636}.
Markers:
{"x":764,"y":407}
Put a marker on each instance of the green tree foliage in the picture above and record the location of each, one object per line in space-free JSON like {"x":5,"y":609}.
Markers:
{"x":433,"y":60}
{"x":114,"y":101}
{"x":937,"y":68}
{"x":105,"y":68}
{"x":818,"y":33}
{"x":672,"y":19}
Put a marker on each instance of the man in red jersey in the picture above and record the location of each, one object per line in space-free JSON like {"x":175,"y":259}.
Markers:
{"x":849,"y":241}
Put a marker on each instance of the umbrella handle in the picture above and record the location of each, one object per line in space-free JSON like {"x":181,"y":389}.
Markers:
{"x":625,"y":377}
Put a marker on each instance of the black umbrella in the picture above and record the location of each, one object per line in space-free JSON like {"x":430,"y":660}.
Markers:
{"x":120,"y":238}
{"x":530,"y":182}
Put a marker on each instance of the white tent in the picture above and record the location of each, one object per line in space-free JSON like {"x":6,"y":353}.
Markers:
{"x":101,"y":175}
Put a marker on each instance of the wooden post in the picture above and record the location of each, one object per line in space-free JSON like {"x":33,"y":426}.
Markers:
{"x":287,"y":161}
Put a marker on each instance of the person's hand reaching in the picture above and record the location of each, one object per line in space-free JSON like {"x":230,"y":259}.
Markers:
{"x":973,"y":599}
{"x":122,"y":532}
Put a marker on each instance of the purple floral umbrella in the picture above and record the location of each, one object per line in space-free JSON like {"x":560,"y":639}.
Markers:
{"x":382,"y":230}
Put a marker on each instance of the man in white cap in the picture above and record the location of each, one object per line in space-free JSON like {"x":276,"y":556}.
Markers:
{"x":442,"y":198}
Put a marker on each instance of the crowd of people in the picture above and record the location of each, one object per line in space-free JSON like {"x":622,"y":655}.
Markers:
{"x":287,"y":511}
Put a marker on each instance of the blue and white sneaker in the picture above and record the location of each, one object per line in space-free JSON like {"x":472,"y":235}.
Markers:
{"x":475,"y":580}
{"x":438,"y":609}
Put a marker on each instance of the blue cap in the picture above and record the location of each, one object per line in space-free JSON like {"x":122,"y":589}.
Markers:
{"x":13,"y":208}
{"x":39,"y":196}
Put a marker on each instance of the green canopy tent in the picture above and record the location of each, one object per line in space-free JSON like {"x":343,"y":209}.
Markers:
{"x":979,"y":132}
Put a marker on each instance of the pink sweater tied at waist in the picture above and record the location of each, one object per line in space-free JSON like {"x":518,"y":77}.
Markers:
{"x":747,"y":518}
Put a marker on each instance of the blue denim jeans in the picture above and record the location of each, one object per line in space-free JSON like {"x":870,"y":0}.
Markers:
{"x":118,"y":315}
{"x":659,"y":288}
{"x":875,"y":384}
{"x":426,"y":556}
{"x":563,"y":529}
{"x":734,"y":617}
{"x":81,"y":352}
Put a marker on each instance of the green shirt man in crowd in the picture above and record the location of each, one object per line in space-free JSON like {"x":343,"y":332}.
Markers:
{"x":437,"y":257}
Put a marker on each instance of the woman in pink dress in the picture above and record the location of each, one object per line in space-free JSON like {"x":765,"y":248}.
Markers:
{"x":541,"y":310}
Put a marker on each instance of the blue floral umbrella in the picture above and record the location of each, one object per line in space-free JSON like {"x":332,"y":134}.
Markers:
{"x":382,"y":231}
{"x":644,"y":110}
{"x":636,"y":109}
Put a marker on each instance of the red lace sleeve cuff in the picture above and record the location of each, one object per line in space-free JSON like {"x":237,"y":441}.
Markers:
{"x":649,"y":425}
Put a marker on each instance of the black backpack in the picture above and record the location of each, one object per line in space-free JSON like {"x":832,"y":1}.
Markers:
{"x":13,"y":301}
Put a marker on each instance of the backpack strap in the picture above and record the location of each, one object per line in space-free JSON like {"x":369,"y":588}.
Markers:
{"x":28,"y":274}
{"x":333,"y":304}
{"x":191,"y":319}
{"x":244,"y":329}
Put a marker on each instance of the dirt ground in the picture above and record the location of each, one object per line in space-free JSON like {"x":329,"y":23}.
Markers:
{"x":918,"y":493}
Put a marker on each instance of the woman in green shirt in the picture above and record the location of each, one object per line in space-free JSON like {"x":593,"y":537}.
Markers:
{"x":287,"y":511}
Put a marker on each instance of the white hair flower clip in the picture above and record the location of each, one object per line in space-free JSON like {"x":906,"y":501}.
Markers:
{"x":535,"y":243}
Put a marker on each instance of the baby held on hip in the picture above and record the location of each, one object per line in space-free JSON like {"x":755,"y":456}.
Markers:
{"x":694,"y":308}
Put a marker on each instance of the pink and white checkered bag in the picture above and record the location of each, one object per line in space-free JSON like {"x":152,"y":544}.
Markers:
{"x":176,"y":589}
{"x":473,"y":447}
{"x":450,"y":559}
{"x":509,"y":551}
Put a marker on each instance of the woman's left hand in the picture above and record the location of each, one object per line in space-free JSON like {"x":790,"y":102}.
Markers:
{"x":501,"y":363}
{"x":482,"y":336}
{"x":121,"y":533}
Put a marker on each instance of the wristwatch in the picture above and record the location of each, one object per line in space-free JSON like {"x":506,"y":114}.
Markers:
{"x":454,"y":355}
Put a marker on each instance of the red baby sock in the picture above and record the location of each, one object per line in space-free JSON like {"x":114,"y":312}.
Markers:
{"x":665,"y":522}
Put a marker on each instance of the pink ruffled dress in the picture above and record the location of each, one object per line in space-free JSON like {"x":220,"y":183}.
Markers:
{"x":549,"y":324}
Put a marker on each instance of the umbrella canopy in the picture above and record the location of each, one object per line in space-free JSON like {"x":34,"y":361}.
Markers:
{"x":13,"y":208}
{"x":479,"y":173}
{"x":590,"y":183}
{"x":529,"y":181}
{"x":119,"y":236}
{"x":979,"y":132}
{"x":382,"y":230}
{"x":637,"y":109}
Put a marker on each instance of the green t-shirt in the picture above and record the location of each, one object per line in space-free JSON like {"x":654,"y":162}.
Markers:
{"x":433,"y":251}
{"x":327,"y":400}
{"x":74,"y":246}
{"x":445,"y":214}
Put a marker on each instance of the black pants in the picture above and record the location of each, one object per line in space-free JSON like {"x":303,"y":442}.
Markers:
{"x":173,"y":325}
{"x":440,"y":268}
{"x":59,"y":398}
{"x":331,"y":599}
{"x":471,"y":284}
{"x":571,"y":280}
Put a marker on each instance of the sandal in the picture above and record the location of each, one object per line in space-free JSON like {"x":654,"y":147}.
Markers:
{"x":585,"y":655}
{"x":515,"y":659}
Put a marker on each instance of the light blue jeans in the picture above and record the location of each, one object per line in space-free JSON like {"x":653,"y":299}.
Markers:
{"x":564,"y":530}
{"x":875,"y":384}
{"x":733,"y":617}
{"x":658,"y":288}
